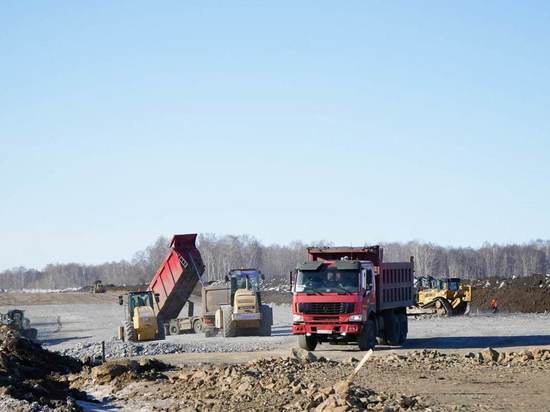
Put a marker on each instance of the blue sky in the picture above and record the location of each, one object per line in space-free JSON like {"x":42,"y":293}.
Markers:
{"x":355,"y":122}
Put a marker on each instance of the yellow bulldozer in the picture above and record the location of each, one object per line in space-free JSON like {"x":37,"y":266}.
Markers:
{"x":444,"y":297}
{"x":98,"y":287}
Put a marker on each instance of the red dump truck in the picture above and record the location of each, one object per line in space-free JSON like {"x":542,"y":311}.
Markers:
{"x":350,"y":295}
{"x":148,"y":312}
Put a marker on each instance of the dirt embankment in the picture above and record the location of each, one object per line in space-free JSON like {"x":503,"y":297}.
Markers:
{"x":525,"y":294}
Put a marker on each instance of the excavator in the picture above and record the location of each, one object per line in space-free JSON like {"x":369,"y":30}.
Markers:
{"x":443,"y":297}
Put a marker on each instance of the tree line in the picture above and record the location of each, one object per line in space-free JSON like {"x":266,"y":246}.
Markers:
{"x":222,"y":253}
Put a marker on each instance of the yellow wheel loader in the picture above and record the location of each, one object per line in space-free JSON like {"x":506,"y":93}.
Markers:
{"x":141,"y":321}
{"x":444,"y":297}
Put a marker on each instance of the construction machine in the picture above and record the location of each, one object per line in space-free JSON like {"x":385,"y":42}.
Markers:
{"x":350,"y":295}
{"x":16,"y":320}
{"x":236,"y":308}
{"x":149,"y":312}
{"x":141,"y":321}
{"x":444,"y":297}
{"x":98,"y":287}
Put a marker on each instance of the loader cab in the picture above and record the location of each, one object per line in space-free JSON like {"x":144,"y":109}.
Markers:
{"x":244,"y":279}
{"x":138,"y":299}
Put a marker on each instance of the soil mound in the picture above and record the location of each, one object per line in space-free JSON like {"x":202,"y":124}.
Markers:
{"x":30,"y":373}
{"x":529,"y":294}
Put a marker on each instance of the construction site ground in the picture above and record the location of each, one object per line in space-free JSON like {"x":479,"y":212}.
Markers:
{"x":443,"y":378}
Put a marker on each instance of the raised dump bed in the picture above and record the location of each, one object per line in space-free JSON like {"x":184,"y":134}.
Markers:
{"x":177,"y":276}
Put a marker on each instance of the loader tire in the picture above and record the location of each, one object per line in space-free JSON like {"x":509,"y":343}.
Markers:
{"x":229,"y":325}
{"x":130,"y":334}
{"x":392,"y":330}
{"x":367,"y":337}
{"x":307,"y":342}
{"x":266,"y":320}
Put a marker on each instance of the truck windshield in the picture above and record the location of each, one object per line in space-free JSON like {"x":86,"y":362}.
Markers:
{"x":327,"y":280}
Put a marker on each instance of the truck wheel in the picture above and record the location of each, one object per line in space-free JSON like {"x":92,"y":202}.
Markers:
{"x":367,"y":337}
{"x":403,"y":328}
{"x":307,"y":342}
{"x":266,"y":320}
{"x":174,"y":330}
{"x":392,"y":329}
{"x":197,"y":326}
{"x":130,"y":334}
{"x":229,"y":325}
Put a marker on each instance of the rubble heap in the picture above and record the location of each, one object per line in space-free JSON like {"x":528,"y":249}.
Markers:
{"x":299,"y":382}
{"x":30,"y":373}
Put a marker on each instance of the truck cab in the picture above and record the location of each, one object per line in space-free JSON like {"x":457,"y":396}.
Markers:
{"x":332,"y":300}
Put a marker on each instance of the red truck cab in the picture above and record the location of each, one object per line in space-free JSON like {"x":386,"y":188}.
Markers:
{"x":349,"y":295}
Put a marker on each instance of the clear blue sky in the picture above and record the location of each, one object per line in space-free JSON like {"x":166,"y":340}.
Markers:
{"x":348,"y":121}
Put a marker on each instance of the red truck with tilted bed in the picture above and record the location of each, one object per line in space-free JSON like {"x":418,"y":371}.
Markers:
{"x":349,"y":295}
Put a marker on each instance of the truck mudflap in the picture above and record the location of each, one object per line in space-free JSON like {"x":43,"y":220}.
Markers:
{"x":342,"y":329}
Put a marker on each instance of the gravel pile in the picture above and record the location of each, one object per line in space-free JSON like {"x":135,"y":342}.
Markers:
{"x":117,"y":349}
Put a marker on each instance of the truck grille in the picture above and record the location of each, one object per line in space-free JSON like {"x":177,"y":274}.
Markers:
{"x":328,"y":308}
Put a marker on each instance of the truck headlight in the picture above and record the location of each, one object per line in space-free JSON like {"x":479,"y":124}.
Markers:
{"x":297,"y":318}
{"x":356,"y":318}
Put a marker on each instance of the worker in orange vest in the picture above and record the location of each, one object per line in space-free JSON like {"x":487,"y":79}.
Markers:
{"x":494,"y":306}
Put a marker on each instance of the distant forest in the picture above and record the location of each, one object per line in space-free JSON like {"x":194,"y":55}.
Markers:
{"x":221,"y":253}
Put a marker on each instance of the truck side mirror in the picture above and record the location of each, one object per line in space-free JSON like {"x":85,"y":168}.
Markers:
{"x":120,"y":300}
{"x":226,"y":278}
{"x":290,"y":275}
{"x":157,"y":297}
{"x":263,"y":276}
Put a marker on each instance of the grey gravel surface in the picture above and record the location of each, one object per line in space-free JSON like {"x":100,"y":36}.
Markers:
{"x":84,"y":324}
{"x":117,"y":349}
